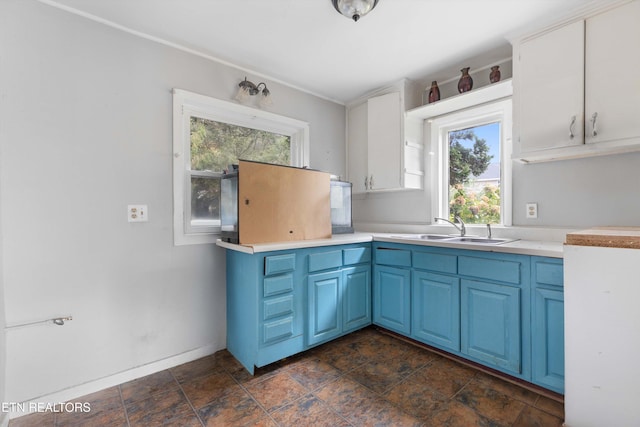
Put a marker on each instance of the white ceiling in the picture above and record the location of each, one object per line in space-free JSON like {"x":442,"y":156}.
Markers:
{"x":308,"y":45}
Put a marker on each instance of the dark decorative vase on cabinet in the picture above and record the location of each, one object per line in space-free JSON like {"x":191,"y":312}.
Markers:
{"x":434,"y":92}
{"x":494,"y":76}
{"x":465,"y":83}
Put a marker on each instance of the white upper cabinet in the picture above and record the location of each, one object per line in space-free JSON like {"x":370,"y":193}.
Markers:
{"x":550,"y":100}
{"x":378,"y":157}
{"x":577,"y":88}
{"x":612,"y":70}
{"x":384,"y":131}
{"x":357,"y":170}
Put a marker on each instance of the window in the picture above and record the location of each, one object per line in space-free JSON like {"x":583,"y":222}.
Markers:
{"x":472,"y":164}
{"x":208,"y":136}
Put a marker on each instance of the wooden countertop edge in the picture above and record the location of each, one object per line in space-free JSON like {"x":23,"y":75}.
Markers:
{"x":601,"y":238}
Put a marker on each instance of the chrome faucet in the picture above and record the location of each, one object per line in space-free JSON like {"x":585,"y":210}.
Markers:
{"x":462,"y":229}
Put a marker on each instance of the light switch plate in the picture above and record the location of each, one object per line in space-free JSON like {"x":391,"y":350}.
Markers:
{"x":532,"y":210}
{"x":137,"y":213}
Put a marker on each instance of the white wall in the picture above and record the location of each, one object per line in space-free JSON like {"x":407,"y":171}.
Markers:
{"x":86,"y":130}
{"x":588,"y":192}
{"x":4,"y":417}
{"x":577,"y":193}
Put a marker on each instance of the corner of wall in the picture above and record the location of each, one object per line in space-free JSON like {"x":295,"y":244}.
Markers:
{"x":4,"y":416}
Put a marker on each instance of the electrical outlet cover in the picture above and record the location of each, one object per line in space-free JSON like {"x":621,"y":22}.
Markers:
{"x":137,"y":213}
{"x":532,"y":210}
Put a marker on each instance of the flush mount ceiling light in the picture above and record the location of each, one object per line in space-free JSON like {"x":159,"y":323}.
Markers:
{"x":248,"y":89}
{"x":354,"y":9}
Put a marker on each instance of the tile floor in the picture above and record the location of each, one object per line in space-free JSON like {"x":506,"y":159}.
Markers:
{"x":367,"y":378}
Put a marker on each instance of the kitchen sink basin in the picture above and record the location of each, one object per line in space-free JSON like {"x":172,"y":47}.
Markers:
{"x":454,"y":239}
{"x":435,"y":237}
{"x":424,"y":236}
{"x":481,"y":240}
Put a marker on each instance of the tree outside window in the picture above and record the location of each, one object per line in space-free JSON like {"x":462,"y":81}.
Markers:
{"x":474,"y":174}
{"x":217,"y":145}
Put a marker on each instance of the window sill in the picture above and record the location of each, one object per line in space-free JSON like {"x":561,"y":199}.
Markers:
{"x":181,"y":239}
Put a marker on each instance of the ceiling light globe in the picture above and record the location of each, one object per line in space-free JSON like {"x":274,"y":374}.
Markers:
{"x":354,"y":9}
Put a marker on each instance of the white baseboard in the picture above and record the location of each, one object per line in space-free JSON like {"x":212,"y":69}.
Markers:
{"x":110,"y":381}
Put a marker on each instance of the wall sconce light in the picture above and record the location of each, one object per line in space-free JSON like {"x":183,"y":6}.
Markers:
{"x":354,"y":9}
{"x":248,"y":89}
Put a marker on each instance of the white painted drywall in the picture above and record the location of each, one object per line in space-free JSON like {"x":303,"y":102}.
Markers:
{"x":4,"y":415}
{"x":85,"y":131}
{"x":601,"y":294}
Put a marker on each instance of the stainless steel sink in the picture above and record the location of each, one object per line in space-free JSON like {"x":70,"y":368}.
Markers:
{"x":435,"y":237}
{"x":423,"y":236}
{"x":454,"y":239}
{"x":481,"y":240}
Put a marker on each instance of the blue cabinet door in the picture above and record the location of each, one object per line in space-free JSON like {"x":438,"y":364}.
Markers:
{"x":325,"y":316}
{"x":491,"y":324}
{"x":436,"y":309}
{"x":392,"y":307}
{"x":548,"y":339}
{"x":356,"y":297}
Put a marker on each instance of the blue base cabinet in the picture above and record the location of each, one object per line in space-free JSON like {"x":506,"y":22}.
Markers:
{"x":392,"y":298}
{"x":324,"y":298}
{"x":283,"y":302}
{"x":502,"y":310}
{"x":356,"y":297}
{"x":435,"y":300}
{"x":548,"y":323}
{"x":498,"y":309}
{"x":492,"y":324}
{"x":339,"y":302}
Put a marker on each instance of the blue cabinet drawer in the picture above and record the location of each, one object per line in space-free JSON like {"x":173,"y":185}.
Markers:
{"x":325,"y":260}
{"x":275,"y":264}
{"x":277,"y":307}
{"x":278,"y":285}
{"x":390,"y":256}
{"x":489,"y":268}
{"x":435,"y":262}
{"x":548,"y":271}
{"x":356,"y":256}
{"x":277,"y":330}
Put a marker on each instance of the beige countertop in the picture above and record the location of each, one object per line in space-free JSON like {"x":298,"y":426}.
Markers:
{"x":336,"y":239}
{"x":608,"y":237}
{"x":523,"y":247}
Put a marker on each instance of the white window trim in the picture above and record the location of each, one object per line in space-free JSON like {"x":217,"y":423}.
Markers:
{"x":186,"y":104}
{"x":474,"y":116}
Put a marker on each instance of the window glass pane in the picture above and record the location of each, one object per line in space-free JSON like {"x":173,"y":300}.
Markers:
{"x":216,"y":145}
{"x":474,"y":174}
{"x":205,"y":198}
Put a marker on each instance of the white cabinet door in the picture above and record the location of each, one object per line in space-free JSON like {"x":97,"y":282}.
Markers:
{"x":357,"y":169}
{"x":550,"y":95}
{"x":384,"y":131}
{"x":612,"y":70}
